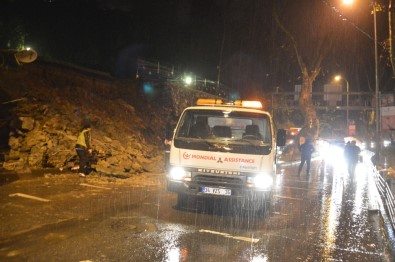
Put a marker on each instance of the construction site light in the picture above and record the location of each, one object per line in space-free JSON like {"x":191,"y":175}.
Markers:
{"x":241,"y":103}
{"x":250,"y":104}
{"x":209,"y":101}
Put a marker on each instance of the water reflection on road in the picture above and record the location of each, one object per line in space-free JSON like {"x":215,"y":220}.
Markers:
{"x":322,"y":217}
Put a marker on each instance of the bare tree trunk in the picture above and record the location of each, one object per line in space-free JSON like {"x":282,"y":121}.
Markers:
{"x":312,"y":123}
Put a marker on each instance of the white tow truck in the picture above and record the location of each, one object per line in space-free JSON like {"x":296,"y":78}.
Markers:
{"x":224,"y":150}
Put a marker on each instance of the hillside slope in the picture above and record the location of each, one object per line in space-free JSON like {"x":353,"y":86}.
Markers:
{"x":43,"y":105}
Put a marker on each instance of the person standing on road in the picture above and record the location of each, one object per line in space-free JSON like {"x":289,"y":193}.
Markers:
{"x":83,"y":149}
{"x":306,"y":150}
{"x":351,"y":153}
{"x":347,"y":151}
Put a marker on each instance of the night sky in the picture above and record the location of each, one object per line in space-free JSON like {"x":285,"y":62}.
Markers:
{"x":241,"y":36}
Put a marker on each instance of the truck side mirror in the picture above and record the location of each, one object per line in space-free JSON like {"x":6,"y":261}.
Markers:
{"x":281,"y":137}
{"x":169,"y":130}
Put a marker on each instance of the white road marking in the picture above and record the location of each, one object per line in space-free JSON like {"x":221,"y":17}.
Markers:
{"x":83,"y":184}
{"x":247,"y":239}
{"x":281,"y":214}
{"x":285,"y":197}
{"x":301,"y":188}
{"x":30,"y":197}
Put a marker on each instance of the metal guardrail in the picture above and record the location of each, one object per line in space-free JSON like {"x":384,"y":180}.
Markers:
{"x":384,"y":192}
{"x":386,"y":197}
{"x":154,"y":71}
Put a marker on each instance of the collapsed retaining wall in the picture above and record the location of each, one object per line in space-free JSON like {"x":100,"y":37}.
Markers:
{"x":127,"y":127}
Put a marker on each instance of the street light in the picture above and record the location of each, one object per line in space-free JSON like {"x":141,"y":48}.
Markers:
{"x":337,"y":79}
{"x":376,"y":7}
{"x":347,"y":2}
{"x":188,"y":80}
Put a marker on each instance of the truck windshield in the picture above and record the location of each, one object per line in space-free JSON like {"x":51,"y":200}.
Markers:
{"x":224,"y":130}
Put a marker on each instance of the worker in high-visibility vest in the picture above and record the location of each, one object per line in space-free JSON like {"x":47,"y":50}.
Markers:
{"x":83,"y":148}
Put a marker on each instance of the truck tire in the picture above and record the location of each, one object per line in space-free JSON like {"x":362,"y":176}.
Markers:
{"x":182,"y":201}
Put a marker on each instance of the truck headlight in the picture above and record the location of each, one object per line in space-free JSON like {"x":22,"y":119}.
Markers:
{"x":178,"y":173}
{"x":260,"y":181}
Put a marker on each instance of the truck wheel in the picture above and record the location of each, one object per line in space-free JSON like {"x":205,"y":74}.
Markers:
{"x":267,"y":205}
{"x":265,"y":208}
{"x":182,"y":201}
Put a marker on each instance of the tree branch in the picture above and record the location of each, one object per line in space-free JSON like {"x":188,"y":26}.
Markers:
{"x":301,"y":63}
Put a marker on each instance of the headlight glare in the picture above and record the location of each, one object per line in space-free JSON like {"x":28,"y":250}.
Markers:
{"x":261,"y":180}
{"x":178,"y":173}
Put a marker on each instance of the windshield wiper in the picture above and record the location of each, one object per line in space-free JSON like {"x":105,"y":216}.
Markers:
{"x":252,"y":142}
{"x":194,"y":140}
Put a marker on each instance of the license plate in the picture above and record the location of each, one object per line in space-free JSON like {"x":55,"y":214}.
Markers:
{"x":216,"y":191}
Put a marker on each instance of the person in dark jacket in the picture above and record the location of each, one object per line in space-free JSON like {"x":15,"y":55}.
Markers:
{"x":351,"y":154}
{"x":306,"y":150}
{"x":83,"y":149}
{"x":347,"y":150}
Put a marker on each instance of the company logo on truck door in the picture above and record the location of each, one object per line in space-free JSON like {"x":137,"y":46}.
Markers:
{"x":187,"y":155}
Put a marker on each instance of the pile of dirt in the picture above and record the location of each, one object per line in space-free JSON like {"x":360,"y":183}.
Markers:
{"x":44,"y":104}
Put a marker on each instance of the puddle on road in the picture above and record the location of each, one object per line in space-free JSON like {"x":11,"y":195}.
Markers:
{"x":51,"y":171}
{"x":132,"y":224}
{"x":8,"y":177}
{"x":151,"y":227}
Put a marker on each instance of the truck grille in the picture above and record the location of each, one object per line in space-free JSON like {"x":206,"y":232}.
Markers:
{"x":221,"y":181}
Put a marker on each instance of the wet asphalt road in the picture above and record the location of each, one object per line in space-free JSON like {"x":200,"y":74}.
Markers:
{"x":62,"y":217}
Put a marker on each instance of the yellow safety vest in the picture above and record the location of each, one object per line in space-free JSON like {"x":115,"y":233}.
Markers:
{"x":81,"y":138}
